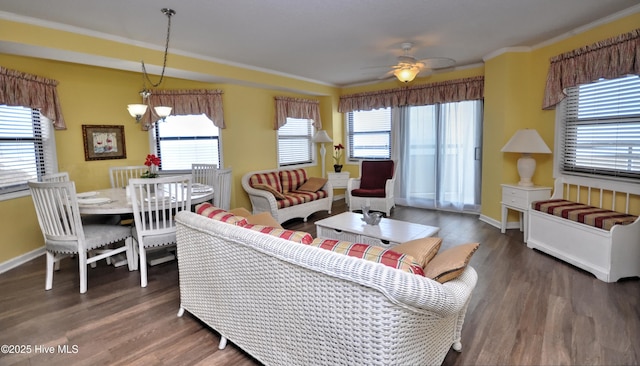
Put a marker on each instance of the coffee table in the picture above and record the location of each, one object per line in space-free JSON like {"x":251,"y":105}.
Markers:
{"x":349,"y":226}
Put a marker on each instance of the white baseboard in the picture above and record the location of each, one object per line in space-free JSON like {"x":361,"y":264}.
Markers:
{"x":15,"y":262}
{"x":498,"y":224}
{"x":338,"y":197}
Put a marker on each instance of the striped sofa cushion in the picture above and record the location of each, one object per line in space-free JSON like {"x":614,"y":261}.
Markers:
{"x":271,"y":179}
{"x":296,"y":236}
{"x":292,"y":179}
{"x":585,"y":214}
{"x":215,"y":213}
{"x":372,"y":253}
{"x":298,"y":197}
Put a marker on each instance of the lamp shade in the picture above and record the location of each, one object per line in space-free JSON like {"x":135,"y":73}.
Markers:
{"x":137,"y":110}
{"x":526,"y":141}
{"x":406,"y":74}
{"x":162,"y":112}
{"x":321,"y":136}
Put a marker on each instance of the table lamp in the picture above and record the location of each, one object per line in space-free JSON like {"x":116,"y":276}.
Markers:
{"x":321,"y":137}
{"x":527,"y":142}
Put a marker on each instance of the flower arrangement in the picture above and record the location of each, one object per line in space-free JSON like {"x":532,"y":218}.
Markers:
{"x":337,"y":155}
{"x":153,"y":162}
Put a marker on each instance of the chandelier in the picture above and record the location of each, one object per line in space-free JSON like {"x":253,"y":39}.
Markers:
{"x":138,"y":110}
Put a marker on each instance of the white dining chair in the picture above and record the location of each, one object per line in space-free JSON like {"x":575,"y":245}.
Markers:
{"x":55,"y":177}
{"x":204,"y":174}
{"x":65,"y":235}
{"x":119,"y":175}
{"x":222,"y":189}
{"x":155,"y":201}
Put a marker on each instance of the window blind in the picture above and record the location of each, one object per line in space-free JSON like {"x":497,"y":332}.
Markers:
{"x":294,"y":142}
{"x":27,"y":147}
{"x":185,"y":140}
{"x":602,"y":128}
{"x":369,"y":134}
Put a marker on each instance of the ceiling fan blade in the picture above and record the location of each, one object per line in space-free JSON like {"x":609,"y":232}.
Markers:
{"x":387,"y":75}
{"x":437,"y":62}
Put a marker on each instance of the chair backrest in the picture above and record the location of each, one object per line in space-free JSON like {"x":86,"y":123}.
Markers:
{"x":222,"y":189}
{"x":120,"y":175}
{"x":204,"y":174}
{"x":374,"y":173}
{"x":57,"y":210}
{"x":55,"y":177}
{"x":155,"y":201}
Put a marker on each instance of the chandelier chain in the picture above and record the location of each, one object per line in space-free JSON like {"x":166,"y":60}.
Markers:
{"x":145,"y":76}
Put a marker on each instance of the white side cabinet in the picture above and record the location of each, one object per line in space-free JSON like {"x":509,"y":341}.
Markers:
{"x":338,"y":180}
{"x":519,"y":198}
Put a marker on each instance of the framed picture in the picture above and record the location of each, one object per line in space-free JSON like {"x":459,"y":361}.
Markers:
{"x":103,"y":142}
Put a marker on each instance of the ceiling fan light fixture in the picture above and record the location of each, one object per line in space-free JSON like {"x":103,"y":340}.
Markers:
{"x":407,"y":73}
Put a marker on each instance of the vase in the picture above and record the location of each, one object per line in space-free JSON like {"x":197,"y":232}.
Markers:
{"x":337,"y":168}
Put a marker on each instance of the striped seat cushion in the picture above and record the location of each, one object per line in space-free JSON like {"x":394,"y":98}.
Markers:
{"x":292,"y":235}
{"x":585,"y":214}
{"x":372,"y":253}
{"x":298,"y":197}
{"x":292,"y":179}
{"x":215,"y":213}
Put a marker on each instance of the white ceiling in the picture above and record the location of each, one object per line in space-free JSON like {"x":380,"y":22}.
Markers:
{"x":335,"y":42}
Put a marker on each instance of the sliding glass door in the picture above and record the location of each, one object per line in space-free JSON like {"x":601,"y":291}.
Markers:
{"x":438,"y":150}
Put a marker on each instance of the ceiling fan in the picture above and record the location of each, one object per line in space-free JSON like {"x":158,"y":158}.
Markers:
{"x":409,"y":67}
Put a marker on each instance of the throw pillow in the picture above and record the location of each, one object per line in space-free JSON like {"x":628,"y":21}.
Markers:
{"x":215,"y":213}
{"x":240,"y":211}
{"x":372,"y":253}
{"x":450,"y":263}
{"x":313,"y":184}
{"x":422,"y":250}
{"x":270,"y":189}
{"x":264,"y":219}
{"x":295,"y":236}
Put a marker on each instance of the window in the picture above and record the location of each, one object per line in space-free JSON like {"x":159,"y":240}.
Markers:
{"x":183,"y":140}
{"x":294,"y":142}
{"x":369,"y":134}
{"x":601,"y":129}
{"x":27,"y":148}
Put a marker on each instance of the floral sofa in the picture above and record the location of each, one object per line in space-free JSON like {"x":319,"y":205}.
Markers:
{"x":287,"y":193}
{"x":285,"y":299}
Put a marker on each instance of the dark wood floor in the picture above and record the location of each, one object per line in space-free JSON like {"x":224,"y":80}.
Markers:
{"x":527,"y":309}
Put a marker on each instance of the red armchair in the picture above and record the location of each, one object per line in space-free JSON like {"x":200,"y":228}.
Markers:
{"x":374,"y":188}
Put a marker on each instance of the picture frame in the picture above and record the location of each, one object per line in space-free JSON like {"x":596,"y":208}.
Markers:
{"x":102,"y":142}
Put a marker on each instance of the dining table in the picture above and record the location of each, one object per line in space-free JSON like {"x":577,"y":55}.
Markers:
{"x":116,"y":201}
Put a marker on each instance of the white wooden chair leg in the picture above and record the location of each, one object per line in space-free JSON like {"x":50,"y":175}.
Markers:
{"x":82,"y":260}
{"x":51,"y":264}
{"x":223,"y":342}
{"x":180,"y":311}
{"x":457,"y":346}
{"x":131,"y":254}
{"x":143,"y":267}
{"x":56,"y":265}
{"x":93,"y":264}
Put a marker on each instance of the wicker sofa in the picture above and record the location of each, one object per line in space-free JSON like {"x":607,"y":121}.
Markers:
{"x":291,"y":202}
{"x":286,"y":303}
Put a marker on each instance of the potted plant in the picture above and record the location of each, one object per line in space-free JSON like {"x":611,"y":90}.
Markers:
{"x":153,"y":162}
{"x":337,"y":157}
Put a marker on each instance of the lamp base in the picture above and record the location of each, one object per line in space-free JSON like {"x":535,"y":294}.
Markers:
{"x":526,"y":168}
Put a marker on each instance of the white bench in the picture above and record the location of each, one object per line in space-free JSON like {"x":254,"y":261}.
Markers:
{"x":608,"y":254}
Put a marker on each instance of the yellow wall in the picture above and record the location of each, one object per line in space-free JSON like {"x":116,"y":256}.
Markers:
{"x":514,"y":89}
{"x":514,"y":85}
{"x":98,"y":96}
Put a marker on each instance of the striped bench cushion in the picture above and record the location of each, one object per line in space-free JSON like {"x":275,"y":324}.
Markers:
{"x":585,"y":214}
